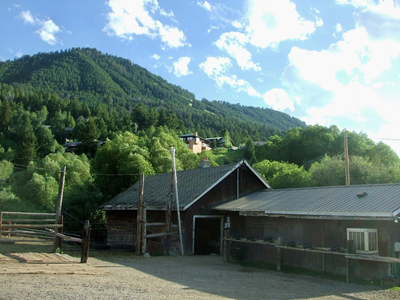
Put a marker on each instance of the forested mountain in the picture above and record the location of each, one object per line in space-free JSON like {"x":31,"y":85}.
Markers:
{"x":86,"y":96}
{"x":114,"y":84}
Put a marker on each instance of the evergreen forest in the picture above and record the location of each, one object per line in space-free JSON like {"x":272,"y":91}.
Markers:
{"x":123,"y":121}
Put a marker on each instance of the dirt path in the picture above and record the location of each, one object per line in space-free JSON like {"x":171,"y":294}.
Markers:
{"x":125,"y":276}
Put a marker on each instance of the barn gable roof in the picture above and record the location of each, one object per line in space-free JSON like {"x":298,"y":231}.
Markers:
{"x":192,"y":185}
{"x":379,"y":201}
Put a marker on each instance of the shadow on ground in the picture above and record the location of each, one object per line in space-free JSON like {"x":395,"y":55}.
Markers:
{"x":209,"y":274}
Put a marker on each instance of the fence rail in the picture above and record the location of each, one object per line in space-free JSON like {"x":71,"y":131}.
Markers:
{"x":31,"y":227}
{"x":17,"y":225}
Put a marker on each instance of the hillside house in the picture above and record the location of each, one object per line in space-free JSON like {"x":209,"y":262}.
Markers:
{"x":218,"y":142}
{"x":195,"y":143}
{"x":199,"y":189}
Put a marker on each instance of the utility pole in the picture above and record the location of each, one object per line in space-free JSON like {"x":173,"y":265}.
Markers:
{"x":139,"y":215}
{"x":346,"y":159}
{"x":58,"y":242}
{"x":176,"y":197}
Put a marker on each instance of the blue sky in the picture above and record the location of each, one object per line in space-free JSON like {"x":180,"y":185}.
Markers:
{"x":333,"y":62}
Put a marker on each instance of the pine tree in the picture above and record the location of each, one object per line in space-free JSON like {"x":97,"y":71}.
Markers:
{"x":27,"y":147}
{"x":5,"y":116}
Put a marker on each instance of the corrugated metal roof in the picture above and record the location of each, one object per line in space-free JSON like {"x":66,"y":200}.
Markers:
{"x":157,"y":188}
{"x":379,"y":201}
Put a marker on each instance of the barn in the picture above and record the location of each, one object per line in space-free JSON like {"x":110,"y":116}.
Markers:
{"x":198,"y":189}
{"x":310,"y":228}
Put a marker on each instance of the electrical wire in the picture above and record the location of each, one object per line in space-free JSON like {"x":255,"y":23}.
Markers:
{"x":19,"y":166}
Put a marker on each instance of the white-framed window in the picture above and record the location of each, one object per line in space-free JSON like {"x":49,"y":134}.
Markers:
{"x":365,"y":239}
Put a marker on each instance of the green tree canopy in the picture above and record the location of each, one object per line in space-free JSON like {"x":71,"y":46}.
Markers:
{"x":284,"y":175}
{"x":250,"y":151}
{"x":119,"y":163}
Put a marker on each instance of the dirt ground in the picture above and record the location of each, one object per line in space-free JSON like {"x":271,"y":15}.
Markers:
{"x":110,"y":275}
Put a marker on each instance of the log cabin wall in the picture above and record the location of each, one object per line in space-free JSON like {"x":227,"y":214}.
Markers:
{"x":121,"y":227}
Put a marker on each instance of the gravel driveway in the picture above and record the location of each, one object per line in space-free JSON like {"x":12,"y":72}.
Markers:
{"x":125,"y":276}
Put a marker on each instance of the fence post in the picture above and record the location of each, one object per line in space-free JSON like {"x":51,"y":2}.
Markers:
{"x":85,"y":242}
{"x":350,"y":250}
{"x":1,"y":222}
{"x":226,"y":246}
{"x":144,"y":230}
{"x":139,"y":216}
{"x":58,"y":240}
{"x":279,"y":254}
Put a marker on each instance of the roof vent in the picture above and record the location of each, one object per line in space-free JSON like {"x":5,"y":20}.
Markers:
{"x":363,"y":194}
{"x":204,"y":163}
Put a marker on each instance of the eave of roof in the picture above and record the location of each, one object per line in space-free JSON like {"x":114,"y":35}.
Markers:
{"x":381,"y":201}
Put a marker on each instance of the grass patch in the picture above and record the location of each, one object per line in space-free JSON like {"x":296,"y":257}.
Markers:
{"x":226,"y":156}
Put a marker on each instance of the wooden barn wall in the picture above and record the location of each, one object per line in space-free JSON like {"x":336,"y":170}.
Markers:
{"x":249,"y":182}
{"x":225,"y":190}
{"x":321,"y":233}
{"x":121,"y":225}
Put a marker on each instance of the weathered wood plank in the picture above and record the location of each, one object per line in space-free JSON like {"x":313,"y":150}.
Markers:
{"x":28,"y":220}
{"x":65,"y":237}
{"x":32,"y":225}
{"x":156,"y":224}
{"x":160,"y":234}
{"x":27,"y":214}
{"x":377,"y":258}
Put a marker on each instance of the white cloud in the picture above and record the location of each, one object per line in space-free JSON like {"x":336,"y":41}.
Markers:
{"x":233,"y":43}
{"x":352,"y":82}
{"x":278,"y":99}
{"x":237,"y":24}
{"x":27,"y":17}
{"x":156,"y":57}
{"x":181,"y":67}
{"x":338,"y":28}
{"x":130,"y":18}
{"x":167,"y":14}
{"x":355,"y":3}
{"x":318,"y":21}
{"x":47,"y":32}
{"x":217,"y":68}
{"x":171,"y":36}
{"x":270,"y":23}
{"x":47,"y":28}
{"x":205,"y":5}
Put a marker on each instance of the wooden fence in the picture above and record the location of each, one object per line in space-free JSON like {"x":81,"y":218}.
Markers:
{"x":30,"y":227}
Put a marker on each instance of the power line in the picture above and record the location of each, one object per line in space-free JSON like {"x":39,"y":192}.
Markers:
{"x":386,"y":139}
{"x":18,"y":166}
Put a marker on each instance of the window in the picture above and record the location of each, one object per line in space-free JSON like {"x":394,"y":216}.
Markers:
{"x":365,"y":239}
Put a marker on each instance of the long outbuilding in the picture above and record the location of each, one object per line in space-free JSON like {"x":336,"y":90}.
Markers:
{"x":314,"y":225}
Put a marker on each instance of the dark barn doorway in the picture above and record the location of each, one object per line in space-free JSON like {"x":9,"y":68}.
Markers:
{"x":207,"y":235}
